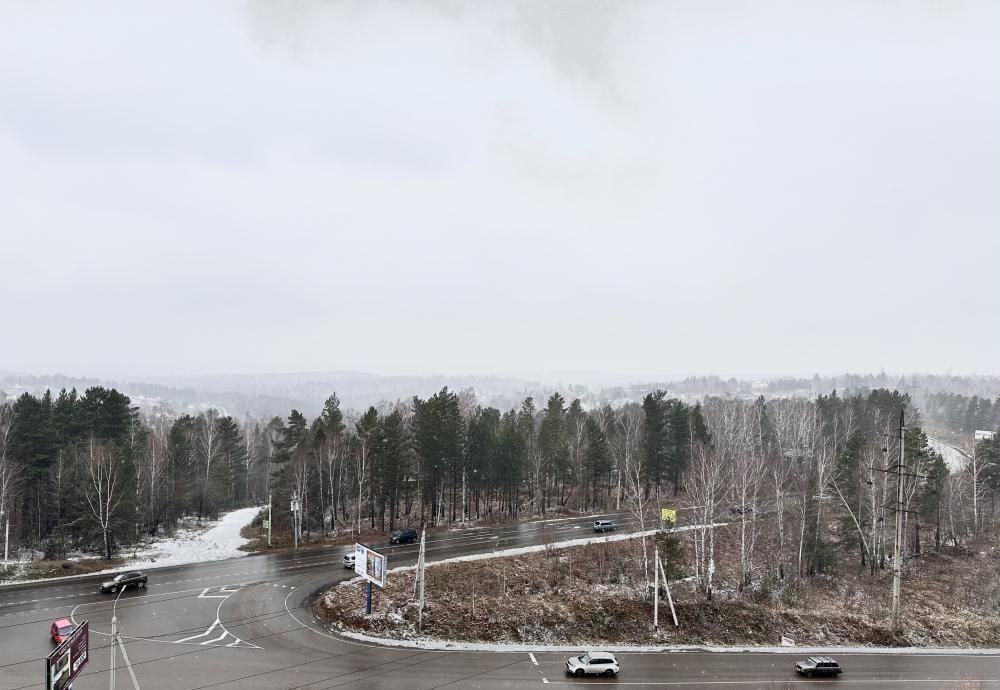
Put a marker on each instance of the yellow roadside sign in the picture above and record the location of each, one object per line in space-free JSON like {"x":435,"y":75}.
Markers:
{"x":668,"y":514}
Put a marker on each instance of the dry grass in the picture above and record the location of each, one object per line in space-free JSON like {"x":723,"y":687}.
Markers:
{"x":594,"y":594}
{"x":84,"y":566}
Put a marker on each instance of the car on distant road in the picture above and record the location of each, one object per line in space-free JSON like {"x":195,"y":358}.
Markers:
{"x":403,"y":536}
{"x":349,"y":560}
{"x":817,"y":666}
{"x":593,"y":663}
{"x":741,"y":510}
{"x":132,"y":578}
{"x":604,"y":525}
{"x":61,"y":629}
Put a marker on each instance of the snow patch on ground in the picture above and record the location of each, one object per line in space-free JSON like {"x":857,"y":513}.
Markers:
{"x":210,"y":542}
{"x":219,"y":542}
{"x":953,"y":457}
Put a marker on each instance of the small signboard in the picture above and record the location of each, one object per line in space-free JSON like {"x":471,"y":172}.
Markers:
{"x":984,"y":435}
{"x":370,"y":564}
{"x":668,"y":514}
{"x":66,"y":662}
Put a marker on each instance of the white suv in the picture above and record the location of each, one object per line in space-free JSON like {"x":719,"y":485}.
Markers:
{"x":595,"y":663}
{"x":349,"y":560}
{"x":604,"y":526}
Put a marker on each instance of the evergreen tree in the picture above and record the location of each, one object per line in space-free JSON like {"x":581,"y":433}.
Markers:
{"x":554,"y":449}
{"x":654,"y":436}
{"x":597,"y":463}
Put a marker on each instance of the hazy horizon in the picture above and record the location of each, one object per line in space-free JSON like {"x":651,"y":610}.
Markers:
{"x":626,"y":189}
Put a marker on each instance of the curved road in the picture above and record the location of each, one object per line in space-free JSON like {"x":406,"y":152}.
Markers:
{"x":244,"y":624}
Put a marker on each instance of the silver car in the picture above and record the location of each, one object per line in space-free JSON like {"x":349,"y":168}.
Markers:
{"x":593,"y":663}
{"x":349,"y":560}
{"x":604,"y":526}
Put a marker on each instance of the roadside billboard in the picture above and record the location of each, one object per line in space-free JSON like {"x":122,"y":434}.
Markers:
{"x":982,"y":435}
{"x":66,"y":662}
{"x":370,"y":564}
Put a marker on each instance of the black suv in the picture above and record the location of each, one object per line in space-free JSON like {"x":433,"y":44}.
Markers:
{"x":132,"y":578}
{"x":817,"y":666}
{"x":403,"y":536}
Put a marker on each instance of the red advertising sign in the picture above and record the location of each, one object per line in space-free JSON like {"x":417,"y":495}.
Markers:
{"x":64,"y":664}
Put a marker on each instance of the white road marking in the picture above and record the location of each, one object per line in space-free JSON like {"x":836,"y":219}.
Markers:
{"x":204,"y":634}
{"x":533,"y":659}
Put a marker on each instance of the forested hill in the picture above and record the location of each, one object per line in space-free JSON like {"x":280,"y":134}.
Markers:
{"x":267,"y":395}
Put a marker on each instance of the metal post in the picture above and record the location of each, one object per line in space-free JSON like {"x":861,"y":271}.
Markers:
{"x":114,"y":633}
{"x":897,"y":554}
{"x":368,"y":599}
{"x":666,"y":586}
{"x":656,"y":589}
{"x":463,"y":496}
{"x":295,"y":517}
{"x":420,"y":581}
{"x":269,"y":520}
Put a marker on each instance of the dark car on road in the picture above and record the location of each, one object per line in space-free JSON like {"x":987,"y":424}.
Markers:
{"x":817,"y":666}
{"x":132,"y":578}
{"x":403,"y":536}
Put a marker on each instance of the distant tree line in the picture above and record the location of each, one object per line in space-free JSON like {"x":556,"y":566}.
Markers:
{"x":962,"y":415}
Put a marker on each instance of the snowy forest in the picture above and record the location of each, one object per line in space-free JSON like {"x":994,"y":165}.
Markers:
{"x":91,"y":472}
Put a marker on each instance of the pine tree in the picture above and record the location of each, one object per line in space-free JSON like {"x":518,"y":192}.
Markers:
{"x":654,"y":436}
{"x":554,"y":448}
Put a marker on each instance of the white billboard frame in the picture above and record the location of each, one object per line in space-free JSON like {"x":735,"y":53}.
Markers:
{"x":983,"y":435}
{"x":370,"y":564}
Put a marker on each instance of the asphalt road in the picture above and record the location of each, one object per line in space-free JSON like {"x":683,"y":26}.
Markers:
{"x":244,"y":624}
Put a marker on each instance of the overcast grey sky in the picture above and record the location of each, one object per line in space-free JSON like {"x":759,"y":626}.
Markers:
{"x":476,"y":187}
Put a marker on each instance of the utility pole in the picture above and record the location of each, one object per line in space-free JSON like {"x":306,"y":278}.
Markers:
{"x":419,"y":584}
{"x":269,"y":520}
{"x":656,"y":589}
{"x":897,"y":553}
{"x":463,"y":496}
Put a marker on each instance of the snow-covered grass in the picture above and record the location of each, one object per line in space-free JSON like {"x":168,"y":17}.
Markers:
{"x":197,"y":545}
{"x":211,"y":541}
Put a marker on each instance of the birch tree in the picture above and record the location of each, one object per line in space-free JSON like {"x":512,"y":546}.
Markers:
{"x":209,"y":445}
{"x":628,"y":424}
{"x":704,"y":482}
{"x":9,"y":472}
{"x":105,"y":488}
